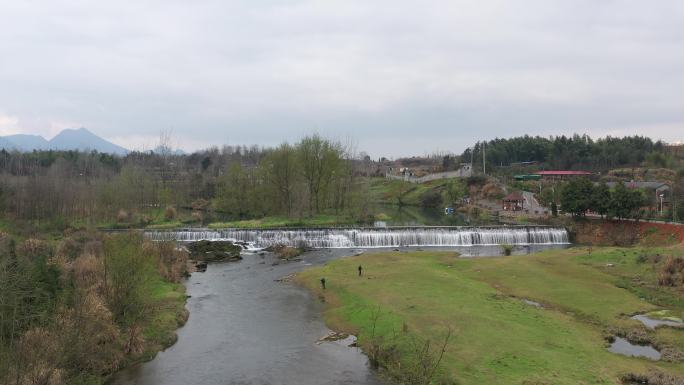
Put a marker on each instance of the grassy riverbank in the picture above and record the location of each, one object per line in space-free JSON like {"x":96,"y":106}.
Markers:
{"x":274,"y":222}
{"x":498,"y":339}
{"x":169,"y":300}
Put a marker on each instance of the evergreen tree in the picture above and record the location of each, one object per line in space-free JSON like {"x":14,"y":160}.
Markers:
{"x":601,"y":199}
{"x":576,"y":196}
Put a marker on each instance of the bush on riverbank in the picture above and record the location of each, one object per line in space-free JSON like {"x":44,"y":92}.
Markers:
{"x":75,"y":310}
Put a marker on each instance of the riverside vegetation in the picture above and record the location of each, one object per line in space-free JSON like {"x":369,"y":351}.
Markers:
{"x":75,"y":310}
{"x":312,"y":182}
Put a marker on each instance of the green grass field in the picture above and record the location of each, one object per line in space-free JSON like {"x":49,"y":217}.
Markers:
{"x":168,"y":300}
{"x":387,"y":191}
{"x":498,"y":339}
{"x":272,"y":222}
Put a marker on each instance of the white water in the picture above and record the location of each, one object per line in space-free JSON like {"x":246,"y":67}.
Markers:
{"x":385,"y":237}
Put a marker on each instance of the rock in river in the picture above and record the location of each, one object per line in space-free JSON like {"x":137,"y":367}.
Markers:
{"x":214,"y":251}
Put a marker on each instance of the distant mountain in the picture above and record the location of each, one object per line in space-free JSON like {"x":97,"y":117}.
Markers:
{"x":84,"y":140}
{"x":23,"y":142}
{"x":69,"y":139}
{"x":6,"y":144}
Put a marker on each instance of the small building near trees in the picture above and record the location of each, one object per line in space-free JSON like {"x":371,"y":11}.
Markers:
{"x":513,"y":202}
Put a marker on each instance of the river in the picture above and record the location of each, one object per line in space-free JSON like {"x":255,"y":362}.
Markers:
{"x":245,"y":328}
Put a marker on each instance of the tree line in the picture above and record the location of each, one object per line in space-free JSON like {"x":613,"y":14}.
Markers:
{"x":580,"y":196}
{"x":315,"y":175}
{"x":567,"y":152}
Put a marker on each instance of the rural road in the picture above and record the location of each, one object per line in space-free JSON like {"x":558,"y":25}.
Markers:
{"x":532,"y":204}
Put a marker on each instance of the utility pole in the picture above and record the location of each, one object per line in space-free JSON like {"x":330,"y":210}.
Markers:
{"x":484,"y":160}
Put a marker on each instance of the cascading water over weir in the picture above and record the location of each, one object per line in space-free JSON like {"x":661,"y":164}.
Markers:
{"x":378,"y":237}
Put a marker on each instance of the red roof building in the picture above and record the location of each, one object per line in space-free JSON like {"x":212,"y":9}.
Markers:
{"x":562,"y":173}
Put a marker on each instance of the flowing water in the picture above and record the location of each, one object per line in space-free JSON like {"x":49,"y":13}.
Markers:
{"x":380,"y":237}
{"x":247,"y":329}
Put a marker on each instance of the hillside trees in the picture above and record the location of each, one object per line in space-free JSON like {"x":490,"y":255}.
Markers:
{"x":601,"y":199}
{"x":625,"y":203}
{"x":580,"y":196}
{"x":574,"y":152}
{"x":576,"y":197}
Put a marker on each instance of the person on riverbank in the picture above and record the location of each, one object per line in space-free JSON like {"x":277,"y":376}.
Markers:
{"x":323,"y":283}
{"x":360,"y":270}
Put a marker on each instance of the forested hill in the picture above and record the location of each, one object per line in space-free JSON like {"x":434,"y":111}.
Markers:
{"x":567,"y":153}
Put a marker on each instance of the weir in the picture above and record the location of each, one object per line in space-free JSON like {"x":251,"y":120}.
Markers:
{"x":377,"y":237}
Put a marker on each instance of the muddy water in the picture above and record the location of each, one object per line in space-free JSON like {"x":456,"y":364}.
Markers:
{"x":247,"y":329}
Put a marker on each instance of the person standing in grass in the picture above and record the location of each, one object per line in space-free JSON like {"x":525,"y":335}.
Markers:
{"x":360,"y":270}
{"x":323,"y":283}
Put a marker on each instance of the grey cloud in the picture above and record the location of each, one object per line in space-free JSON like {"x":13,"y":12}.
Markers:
{"x":400,"y":77}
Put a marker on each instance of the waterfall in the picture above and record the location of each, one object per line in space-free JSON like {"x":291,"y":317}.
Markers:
{"x":381,"y":237}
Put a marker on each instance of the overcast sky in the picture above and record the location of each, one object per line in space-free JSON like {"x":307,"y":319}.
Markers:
{"x":395,"y":77}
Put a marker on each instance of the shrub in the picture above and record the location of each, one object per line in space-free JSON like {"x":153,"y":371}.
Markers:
{"x":431,"y":198}
{"x":200,"y":204}
{"x":88,"y":271}
{"x":145,"y":220}
{"x":172,"y":261}
{"x":68,"y":248}
{"x":476,"y":180}
{"x":129,"y":270}
{"x":670,"y":273}
{"x":122,"y":216}
{"x":169,"y":213}
{"x":492,"y":191}
{"x":642,"y":258}
{"x":197,"y":216}
{"x":34,"y":249}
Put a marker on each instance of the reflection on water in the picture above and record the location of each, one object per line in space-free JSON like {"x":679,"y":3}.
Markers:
{"x":626,"y":348}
